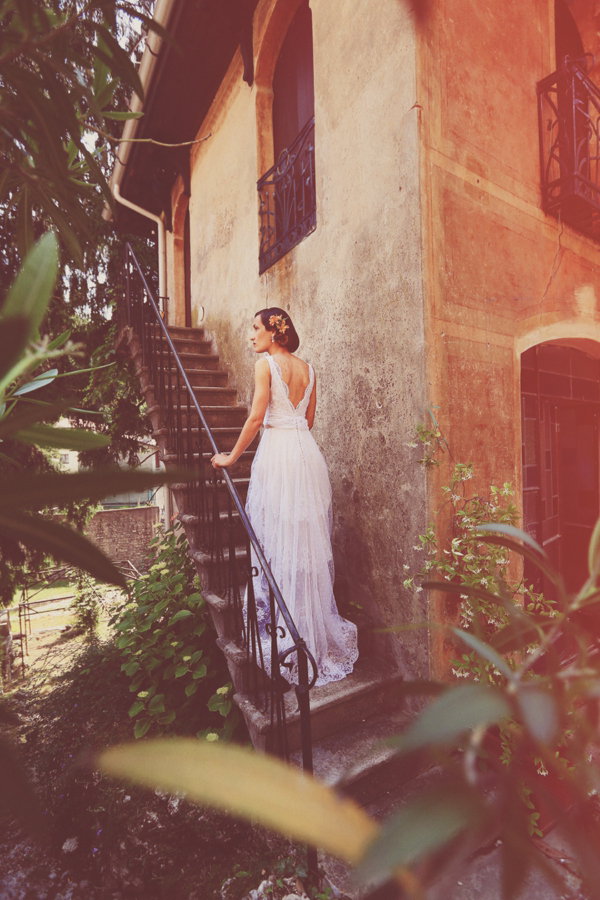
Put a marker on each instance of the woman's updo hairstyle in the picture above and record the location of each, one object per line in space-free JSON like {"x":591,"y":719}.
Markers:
{"x":279,"y":322}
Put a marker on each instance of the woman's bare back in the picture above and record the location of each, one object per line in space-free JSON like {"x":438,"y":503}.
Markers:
{"x":295,"y":373}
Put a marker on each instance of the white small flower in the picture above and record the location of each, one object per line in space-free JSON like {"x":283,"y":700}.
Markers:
{"x":223,"y":690}
{"x":416,"y":548}
{"x":406,"y":567}
{"x":541,"y":769}
{"x":211,"y":736}
{"x":70,"y":845}
{"x":418,"y":589}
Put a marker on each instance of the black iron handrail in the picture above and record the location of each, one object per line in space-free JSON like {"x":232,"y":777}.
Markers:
{"x":159,"y":354}
{"x":569,"y":145}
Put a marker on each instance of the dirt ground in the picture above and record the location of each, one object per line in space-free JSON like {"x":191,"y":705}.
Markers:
{"x":100,"y":839}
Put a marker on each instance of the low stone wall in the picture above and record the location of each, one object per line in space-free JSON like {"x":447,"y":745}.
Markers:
{"x":124,"y":534}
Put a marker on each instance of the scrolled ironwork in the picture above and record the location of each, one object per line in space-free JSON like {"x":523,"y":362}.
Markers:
{"x":569,"y":145}
{"x":287,"y":199}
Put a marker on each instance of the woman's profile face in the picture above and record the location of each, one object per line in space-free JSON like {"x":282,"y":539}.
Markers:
{"x":260,"y":337}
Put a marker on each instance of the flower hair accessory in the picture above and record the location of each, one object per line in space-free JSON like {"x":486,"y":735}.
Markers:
{"x":280,"y":324}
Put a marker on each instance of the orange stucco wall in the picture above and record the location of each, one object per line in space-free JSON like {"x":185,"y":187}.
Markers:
{"x":499,"y":274}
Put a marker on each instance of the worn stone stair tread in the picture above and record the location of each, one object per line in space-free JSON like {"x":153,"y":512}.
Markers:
{"x":202,"y":557}
{"x":346,"y":757}
{"x":369,"y":676}
{"x":192,"y":519}
{"x":218,"y":603}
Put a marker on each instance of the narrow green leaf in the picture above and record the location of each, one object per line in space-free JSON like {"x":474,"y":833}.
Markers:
{"x":529,"y":549}
{"x":62,"y":542}
{"x":422,"y":826}
{"x":451,"y":714}
{"x":26,"y":491}
{"x":61,"y":438}
{"x":191,"y":689}
{"x":32,"y":289}
{"x":29,"y":414}
{"x":247,"y":784}
{"x":38,"y":382}
{"x":539,"y":713}
{"x":515,"y":533}
{"x":123,"y":116}
{"x":484,"y":650}
{"x":60,"y":340}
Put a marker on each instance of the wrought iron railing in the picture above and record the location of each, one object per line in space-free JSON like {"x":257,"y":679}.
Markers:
{"x":191,"y":445}
{"x":569,"y":136}
{"x":288,"y":207}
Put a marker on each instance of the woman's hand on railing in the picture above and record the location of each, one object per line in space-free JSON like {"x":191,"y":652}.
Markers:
{"x":222,"y":460}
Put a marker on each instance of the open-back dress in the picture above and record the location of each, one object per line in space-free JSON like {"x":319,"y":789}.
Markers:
{"x":289,"y":506}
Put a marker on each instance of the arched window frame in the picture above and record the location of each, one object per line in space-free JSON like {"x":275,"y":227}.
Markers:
{"x":284,"y":220}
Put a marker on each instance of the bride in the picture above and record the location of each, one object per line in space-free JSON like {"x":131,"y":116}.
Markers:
{"x":289,"y":497}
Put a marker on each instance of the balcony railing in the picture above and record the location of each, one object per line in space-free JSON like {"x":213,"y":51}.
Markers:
{"x":569,"y":131}
{"x":288,"y":209}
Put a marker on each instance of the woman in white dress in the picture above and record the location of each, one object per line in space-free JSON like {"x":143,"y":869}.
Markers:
{"x":289,"y":498}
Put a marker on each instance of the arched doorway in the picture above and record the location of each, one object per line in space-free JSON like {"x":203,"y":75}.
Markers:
{"x":560,"y":402}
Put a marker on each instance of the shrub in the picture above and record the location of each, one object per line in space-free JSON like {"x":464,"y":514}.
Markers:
{"x":86,"y":606}
{"x":165,"y":635}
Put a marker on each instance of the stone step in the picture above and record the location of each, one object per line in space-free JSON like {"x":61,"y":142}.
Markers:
{"x":225,"y":438}
{"x":207,"y":396}
{"x":368,"y":691}
{"x":192,"y":360}
{"x":190,"y":521}
{"x":206,"y":567}
{"x":240,"y":469}
{"x":183,"y":343}
{"x":204,"y":377}
{"x":217,"y":416}
{"x":358,"y":762}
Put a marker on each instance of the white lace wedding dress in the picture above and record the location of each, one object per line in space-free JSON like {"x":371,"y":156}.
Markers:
{"x":289,"y":506}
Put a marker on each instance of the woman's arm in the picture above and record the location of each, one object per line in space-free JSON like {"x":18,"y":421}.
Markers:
{"x":312,"y":405}
{"x":262,"y":377}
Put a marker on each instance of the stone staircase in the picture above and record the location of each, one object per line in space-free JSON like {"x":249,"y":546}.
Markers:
{"x":350,"y":719}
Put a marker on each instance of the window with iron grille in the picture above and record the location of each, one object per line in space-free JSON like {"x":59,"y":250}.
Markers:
{"x":287,"y":201}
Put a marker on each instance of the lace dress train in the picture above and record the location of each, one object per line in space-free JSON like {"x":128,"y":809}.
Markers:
{"x":289,"y":506}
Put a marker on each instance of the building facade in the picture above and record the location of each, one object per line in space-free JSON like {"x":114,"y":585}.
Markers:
{"x":407,"y":187}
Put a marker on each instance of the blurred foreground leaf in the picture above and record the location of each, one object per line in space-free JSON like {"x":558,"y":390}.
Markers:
{"x":421,"y":827}
{"x":451,"y":714}
{"x":247,"y":784}
{"x":62,"y":542}
{"x":57,"y":489}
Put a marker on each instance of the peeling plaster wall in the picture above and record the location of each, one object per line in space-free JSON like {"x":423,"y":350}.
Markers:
{"x":353,"y":288}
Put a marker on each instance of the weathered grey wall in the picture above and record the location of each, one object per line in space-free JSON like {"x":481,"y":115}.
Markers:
{"x":353,"y":287}
{"x":124,"y":534}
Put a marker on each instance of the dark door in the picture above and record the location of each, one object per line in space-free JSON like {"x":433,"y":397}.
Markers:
{"x":560,"y":388}
{"x":578,"y":441}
